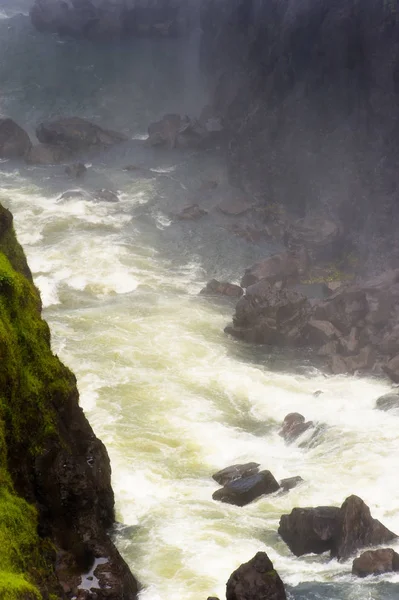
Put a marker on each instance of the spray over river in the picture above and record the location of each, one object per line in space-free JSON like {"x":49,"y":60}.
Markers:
{"x":172,"y":397}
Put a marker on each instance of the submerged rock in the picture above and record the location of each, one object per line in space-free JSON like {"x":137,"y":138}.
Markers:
{"x":77,"y":135}
{"x":246,"y":489}
{"x":235,"y":472}
{"x":191,"y":213}
{"x":376,"y":562}
{"x":102,"y":195}
{"x":222,"y":288}
{"x":255,"y":580}
{"x":14,"y":141}
{"x":388,"y":401}
{"x":76,"y":170}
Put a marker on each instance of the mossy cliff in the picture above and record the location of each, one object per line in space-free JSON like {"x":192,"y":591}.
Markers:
{"x":56,"y":500}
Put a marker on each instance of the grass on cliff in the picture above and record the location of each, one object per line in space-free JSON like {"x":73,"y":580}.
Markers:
{"x":32,"y":383}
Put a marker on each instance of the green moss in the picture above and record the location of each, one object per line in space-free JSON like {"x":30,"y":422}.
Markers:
{"x":33,"y":382}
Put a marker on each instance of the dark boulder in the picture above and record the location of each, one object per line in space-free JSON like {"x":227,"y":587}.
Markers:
{"x":388,"y":401}
{"x":290,"y":483}
{"x":235,"y":472}
{"x":293,"y":426}
{"x":47,"y":154}
{"x":309,"y":530}
{"x":246,"y":489}
{"x":376,"y":562}
{"x":356,"y":529}
{"x":77,"y":135}
{"x":281,"y":267}
{"x":222,"y":288}
{"x":267,"y":315}
{"x":105,"y":195}
{"x":14,"y":141}
{"x":255,"y":580}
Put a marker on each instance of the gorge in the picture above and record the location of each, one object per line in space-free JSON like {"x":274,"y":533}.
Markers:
{"x":308,"y":130}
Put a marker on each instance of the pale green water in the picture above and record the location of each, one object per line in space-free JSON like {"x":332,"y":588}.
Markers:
{"x":171,"y":396}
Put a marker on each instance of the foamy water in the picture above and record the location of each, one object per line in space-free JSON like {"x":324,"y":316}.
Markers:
{"x":173,"y":398}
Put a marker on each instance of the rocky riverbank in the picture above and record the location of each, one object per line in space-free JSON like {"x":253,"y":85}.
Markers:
{"x":56,"y":499}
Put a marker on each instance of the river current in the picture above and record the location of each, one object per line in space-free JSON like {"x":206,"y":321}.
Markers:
{"x":172,"y":397}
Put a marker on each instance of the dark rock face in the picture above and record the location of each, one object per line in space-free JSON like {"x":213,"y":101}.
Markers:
{"x":222,"y":288}
{"x":281,"y":267}
{"x":235,"y":472}
{"x":268,"y":315}
{"x":254,"y":580}
{"x":388,"y":402}
{"x":357,"y":529}
{"x":47,"y":154}
{"x":106,"y":20}
{"x":246,"y":489}
{"x":376,"y":562}
{"x":14,"y":141}
{"x":309,"y":530}
{"x":293,"y":426}
{"x":305,"y":90}
{"x":342,"y":531}
{"x":76,"y":135}
{"x":290,"y":483}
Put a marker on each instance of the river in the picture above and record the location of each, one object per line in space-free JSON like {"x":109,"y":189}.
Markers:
{"x":172,"y":397}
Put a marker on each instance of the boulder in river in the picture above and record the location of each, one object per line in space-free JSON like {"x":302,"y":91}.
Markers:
{"x":376,"y":562}
{"x":293,"y":426}
{"x":76,"y":170}
{"x":191,"y":213}
{"x":267,"y":315}
{"x":388,"y":401}
{"x":47,"y":154}
{"x":222,"y":288}
{"x":309,"y":530}
{"x":356,"y":529}
{"x":235,"y":472}
{"x":290,"y":483}
{"x":255,"y":580}
{"x":246,"y":489}
{"x":14,"y":141}
{"x":77,"y":135}
{"x":166,"y":131}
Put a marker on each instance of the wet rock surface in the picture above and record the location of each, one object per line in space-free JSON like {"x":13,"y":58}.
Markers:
{"x":254,"y":580}
{"x":342,"y":531}
{"x":244,"y":490}
{"x":235,"y":472}
{"x":14,"y":141}
{"x":76,"y":135}
{"x":376,"y":562}
{"x":388,"y":402}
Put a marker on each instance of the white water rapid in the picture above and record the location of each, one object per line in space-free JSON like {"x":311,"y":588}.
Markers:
{"x":172,"y":397}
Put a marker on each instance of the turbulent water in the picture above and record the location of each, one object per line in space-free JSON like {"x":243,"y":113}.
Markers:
{"x":172,"y":397}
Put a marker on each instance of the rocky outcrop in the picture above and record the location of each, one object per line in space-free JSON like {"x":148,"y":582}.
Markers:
{"x":246,"y":489}
{"x":355,"y":328}
{"x":376,"y":562}
{"x":254,"y":580}
{"x":342,"y":531}
{"x":74,"y":134}
{"x":110,"y":19}
{"x":55,"y":473}
{"x":14,"y":141}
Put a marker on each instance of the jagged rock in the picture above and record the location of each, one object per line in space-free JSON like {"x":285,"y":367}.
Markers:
{"x":192,"y":212}
{"x":14,"y":141}
{"x":76,"y":170}
{"x":255,"y":580}
{"x":235,"y":472}
{"x":309,"y":530}
{"x":293,"y":426}
{"x":222,"y":288}
{"x":281,"y":267}
{"x":47,"y":154}
{"x":267,"y":315}
{"x":246,"y":489}
{"x":77,"y":135}
{"x":356,"y":529}
{"x":376,"y":562}
{"x":388,"y":401}
{"x":290,"y":482}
